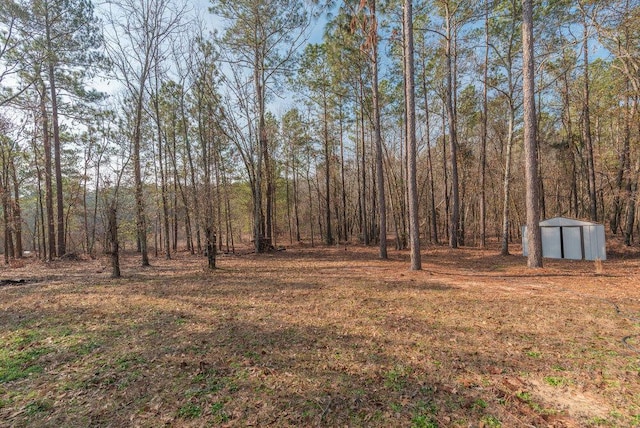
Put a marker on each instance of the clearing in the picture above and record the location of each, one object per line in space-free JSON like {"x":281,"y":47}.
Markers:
{"x":322,"y":337}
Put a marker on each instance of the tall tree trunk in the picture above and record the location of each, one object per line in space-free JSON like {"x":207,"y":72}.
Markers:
{"x":445,"y":173}
{"x":568,"y":124}
{"x":409,"y":88}
{"x":114,"y":244}
{"x":319,"y":197}
{"x":327,"y":172}
{"x":258,"y":225}
{"x":208,"y":159}
{"x":483,"y":144}
{"x":17,"y":211}
{"x":363,"y":171}
{"x":632,"y":199}
{"x":180,"y":187}
{"x":296,"y":210}
{"x":48,"y":185}
{"x":227,"y":214}
{"x":310,"y":204}
{"x":6,"y":220}
{"x":432,"y":202}
{"x":40,"y":230}
{"x":506,"y":185}
{"x":61,"y":250}
{"x":586,"y":124}
{"x":377,"y":134}
{"x":174,"y":222}
{"x":342,"y":178}
{"x":85,"y":192}
{"x":541,"y":192}
{"x":163,"y":176}
{"x":218,"y":198}
{"x":191,"y":173}
{"x":623,"y":167}
{"x":534,"y":241}
{"x":141,"y":218}
{"x":269,"y":198}
{"x":453,"y":137}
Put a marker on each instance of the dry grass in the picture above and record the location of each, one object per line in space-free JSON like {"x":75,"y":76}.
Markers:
{"x":322,"y":337}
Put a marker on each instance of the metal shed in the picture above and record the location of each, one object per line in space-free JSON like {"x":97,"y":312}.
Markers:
{"x":567,"y":238}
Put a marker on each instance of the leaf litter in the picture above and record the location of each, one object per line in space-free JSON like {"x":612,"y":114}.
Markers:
{"x":323,"y":337}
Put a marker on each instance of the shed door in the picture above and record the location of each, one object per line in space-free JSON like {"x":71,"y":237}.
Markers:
{"x":572,"y":242}
{"x":551,"y":242}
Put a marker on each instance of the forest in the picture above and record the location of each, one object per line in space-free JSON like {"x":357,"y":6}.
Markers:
{"x":164,"y":125}
{"x":303,"y":213}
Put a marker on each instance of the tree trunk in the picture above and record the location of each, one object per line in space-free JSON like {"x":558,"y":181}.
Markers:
{"x":382,"y":204}
{"x":586,"y":124}
{"x":48,"y":185}
{"x":262,"y":141}
{"x":534,"y":259}
{"x":310,"y":204}
{"x":114,"y":245}
{"x":179,"y":188}
{"x":6,"y":220}
{"x":363,"y":171}
{"x":192,"y":174}
{"x":483,"y":145}
{"x":506,"y":185}
{"x":217,"y":167}
{"x":17,"y":211}
{"x":409,"y":88}
{"x":327,"y":173}
{"x":296,"y":211}
{"x":632,"y":199}
{"x":40,"y":230}
{"x":342,"y":179}
{"x":163,"y":176}
{"x":623,"y":167}
{"x":445,"y":173}
{"x":453,"y":138}
{"x":61,"y":250}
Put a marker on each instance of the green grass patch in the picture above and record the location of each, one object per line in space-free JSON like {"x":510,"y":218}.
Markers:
{"x":423,"y":421}
{"x":556,"y":381}
{"x":38,"y":406}
{"x":189,"y":411}
{"x":219,"y":415}
{"x":491,"y":422}
{"x":479,"y":404}
{"x":17,"y":362}
{"x":85,"y":348}
{"x":424,"y":415}
{"x":209,"y":382}
{"x":525,"y":397}
{"x":396,"y":378}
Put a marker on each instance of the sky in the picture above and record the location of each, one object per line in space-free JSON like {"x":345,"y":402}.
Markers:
{"x":212,"y":22}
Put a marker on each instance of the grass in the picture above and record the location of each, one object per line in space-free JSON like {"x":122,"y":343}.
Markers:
{"x":189,"y":411}
{"x":20,"y":355}
{"x":556,"y":381}
{"x":320,"y":337}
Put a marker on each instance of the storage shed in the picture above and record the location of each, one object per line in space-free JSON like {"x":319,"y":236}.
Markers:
{"x":566,"y":238}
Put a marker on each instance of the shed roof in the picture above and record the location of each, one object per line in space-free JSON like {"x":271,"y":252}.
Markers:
{"x":564,"y":221}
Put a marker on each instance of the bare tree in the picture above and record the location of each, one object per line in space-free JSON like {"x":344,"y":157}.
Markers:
{"x":262,"y":37}
{"x":139,"y":33}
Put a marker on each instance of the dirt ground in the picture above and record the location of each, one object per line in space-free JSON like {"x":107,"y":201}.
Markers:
{"x":322,"y":337}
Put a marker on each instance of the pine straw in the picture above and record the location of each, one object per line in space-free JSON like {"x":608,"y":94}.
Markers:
{"x":324,"y":337}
